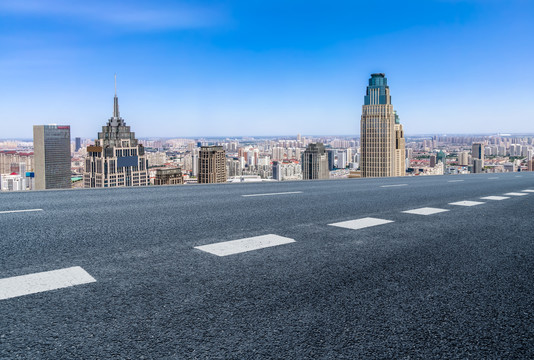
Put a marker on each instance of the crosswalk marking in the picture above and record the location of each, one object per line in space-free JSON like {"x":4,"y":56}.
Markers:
{"x":44,"y":281}
{"x":361,"y":223}
{"x":243,"y":245}
{"x":516,"y":194}
{"x":495,"y":198}
{"x":425,"y":211}
{"x":466,"y":203}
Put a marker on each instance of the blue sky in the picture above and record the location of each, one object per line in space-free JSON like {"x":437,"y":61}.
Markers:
{"x":233,"y":68}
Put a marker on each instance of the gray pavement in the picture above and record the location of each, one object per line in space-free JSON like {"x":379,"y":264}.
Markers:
{"x":455,"y":284}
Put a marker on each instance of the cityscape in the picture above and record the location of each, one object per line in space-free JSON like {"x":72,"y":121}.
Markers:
{"x":116,"y":158}
{"x":266,"y":180}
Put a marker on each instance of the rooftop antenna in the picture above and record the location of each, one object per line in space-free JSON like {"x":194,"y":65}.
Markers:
{"x":115,"y":84}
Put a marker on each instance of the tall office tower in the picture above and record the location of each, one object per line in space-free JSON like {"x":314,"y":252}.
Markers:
{"x":51,"y":148}
{"x":116,"y":159}
{"x":331,"y":158}
{"x":341,"y":159}
{"x":400,"y":149}
{"x":277,"y":171}
{"x":315,"y":162}
{"x":478,"y":152}
{"x":379,"y":132}
{"x":211,"y":165}
{"x":78,"y":144}
{"x":477,"y":166}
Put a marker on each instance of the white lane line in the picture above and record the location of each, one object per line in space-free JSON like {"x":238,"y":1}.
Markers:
{"x":361,"y":223}
{"x":516,"y":194}
{"x":518,"y":176}
{"x":385,"y":186}
{"x":528,"y":191}
{"x":270,"y":194}
{"x":243,"y":245}
{"x":19,"y":211}
{"x":492,"y":178}
{"x":425,"y":211}
{"x":467,"y":203}
{"x":43,"y":281}
{"x":495,"y":197}
{"x":455,"y":180}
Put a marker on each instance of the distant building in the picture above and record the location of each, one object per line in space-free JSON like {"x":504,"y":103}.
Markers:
{"x":530,"y":165}
{"x":277,"y":171}
{"x":117,"y":159}
{"x":169,"y":177}
{"x":332,"y":153}
{"x":463,"y":158}
{"x":432,"y":160}
{"x":51,"y":147}
{"x":211,"y":165}
{"x":477,"y":166}
{"x":478,"y":152}
{"x":400,"y":149}
{"x":342,"y":160}
{"x":315,"y":162}
{"x":382,"y":138}
{"x":78,"y":145}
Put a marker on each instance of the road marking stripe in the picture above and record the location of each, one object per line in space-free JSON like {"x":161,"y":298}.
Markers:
{"x":385,"y":186}
{"x":495,"y":198}
{"x":19,"y":211}
{"x":243,"y":245}
{"x":270,"y":194}
{"x":518,"y":176}
{"x":361,"y":223}
{"x":492,"y":178}
{"x":455,"y":180}
{"x":425,"y":211}
{"x":43,"y":281}
{"x":516,"y":194}
{"x":528,"y":191}
{"x":467,"y":203}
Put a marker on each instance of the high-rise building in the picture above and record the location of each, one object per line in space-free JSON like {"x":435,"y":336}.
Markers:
{"x":169,"y":177}
{"x":51,"y":147}
{"x":382,"y":139}
{"x":432,"y":161}
{"x":277,"y":171}
{"x":332,"y":153}
{"x":78,"y":145}
{"x":211,"y":165}
{"x":341,"y":159}
{"x":400,"y":149}
{"x":463,"y":158}
{"x":117,"y":158}
{"x":315,"y":162}
{"x":477,"y":166}
{"x":478,"y":152}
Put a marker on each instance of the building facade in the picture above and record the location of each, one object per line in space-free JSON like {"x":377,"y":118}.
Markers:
{"x":382,"y":136}
{"x":211,"y":165}
{"x":169,"y":177}
{"x":51,"y":148}
{"x":116,"y":159}
{"x":477,"y":152}
{"x":315,"y":162}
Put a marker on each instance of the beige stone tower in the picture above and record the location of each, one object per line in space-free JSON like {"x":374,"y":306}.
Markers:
{"x":211,"y":165}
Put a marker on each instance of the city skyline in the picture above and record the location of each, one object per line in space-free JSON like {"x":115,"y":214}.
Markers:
{"x":216,"y":70}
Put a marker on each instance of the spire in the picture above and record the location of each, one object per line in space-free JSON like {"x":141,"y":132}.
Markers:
{"x":116,"y":101}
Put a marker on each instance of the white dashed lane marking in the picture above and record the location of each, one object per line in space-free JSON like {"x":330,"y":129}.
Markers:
{"x":243,"y":245}
{"x":395,"y":185}
{"x":271,"y":194}
{"x":425,"y":211}
{"x":43,"y":281}
{"x":516,"y":194}
{"x":528,"y":191}
{"x":493,"y":178}
{"x":467,"y":203}
{"x":495,"y":198}
{"x":19,"y":211}
{"x":361,"y":223}
{"x":455,"y":180}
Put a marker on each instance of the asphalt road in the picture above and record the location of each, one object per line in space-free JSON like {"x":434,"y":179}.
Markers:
{"x":456,"y":284}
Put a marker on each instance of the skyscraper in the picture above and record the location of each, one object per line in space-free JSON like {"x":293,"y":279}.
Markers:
{"x":211,"y":165}
{"x":478,"y":152}
{"x":78,"y":145}
{"x":51,"y":147}
{"x":382,"y":136}
{"x":116,"y":159}
{"x":315,"y":162}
